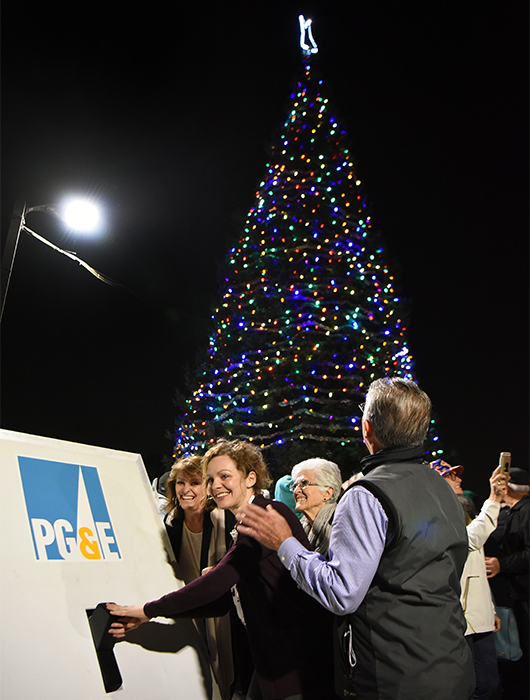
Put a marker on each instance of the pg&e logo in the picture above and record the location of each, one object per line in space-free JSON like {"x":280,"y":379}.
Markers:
{"x":67,"y":511}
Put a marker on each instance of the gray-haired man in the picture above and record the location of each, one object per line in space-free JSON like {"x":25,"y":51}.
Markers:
{"x":398,"y":547}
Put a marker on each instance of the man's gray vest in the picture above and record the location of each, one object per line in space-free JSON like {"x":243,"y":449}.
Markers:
{"x":408,"y":633}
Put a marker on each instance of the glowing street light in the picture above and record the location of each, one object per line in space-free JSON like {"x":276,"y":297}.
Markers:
{"x":78,"y":214}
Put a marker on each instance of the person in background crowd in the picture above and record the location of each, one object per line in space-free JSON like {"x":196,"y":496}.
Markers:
{"x":285,"y":626}
{"x":284,"y":493}
{"x":398,"y":547}
{"x":200,"y":537}
{"x":507,"y":566}
{"x":473,"y":498}
{"x":476,"y":598}
{"x":316,"y":486}
{"x":354,"y":477}
{"x":159,"y":489}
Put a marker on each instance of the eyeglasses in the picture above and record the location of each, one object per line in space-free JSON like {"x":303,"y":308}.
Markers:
{"x":453,"y":476}
{"x":302,"y":484}
{"x":361,"y":406}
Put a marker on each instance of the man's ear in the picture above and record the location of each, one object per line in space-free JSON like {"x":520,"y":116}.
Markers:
{"x":367,"y":429}
{"x":369,"y":438}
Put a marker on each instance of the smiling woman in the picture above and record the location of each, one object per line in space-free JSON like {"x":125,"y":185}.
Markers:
{"x":317,"y":485}
{"x":234,"y":472}
{"x":200,"y":537}
{"x":277,"y":614}
{"x":199,"y":534}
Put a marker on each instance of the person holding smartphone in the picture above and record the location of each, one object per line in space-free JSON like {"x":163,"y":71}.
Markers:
{"x":475,"y":597}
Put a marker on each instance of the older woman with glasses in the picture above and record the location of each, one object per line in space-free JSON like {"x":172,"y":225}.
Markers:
{"x":316,"y":488}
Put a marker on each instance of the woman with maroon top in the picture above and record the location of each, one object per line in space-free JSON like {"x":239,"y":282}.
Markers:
{"x":285,"y":626}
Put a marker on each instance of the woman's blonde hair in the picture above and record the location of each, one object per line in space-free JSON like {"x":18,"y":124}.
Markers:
{"x":247,"y":458}
{"x":188,"y":468}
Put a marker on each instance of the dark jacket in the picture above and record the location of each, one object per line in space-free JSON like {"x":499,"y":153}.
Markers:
{"x":174,"y":531}
{"x":409,"y":630}
{"x":510,"y":543}
{"x":286,"y":628}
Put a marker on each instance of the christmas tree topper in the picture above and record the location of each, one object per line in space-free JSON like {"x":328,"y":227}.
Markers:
{"x":305,"y":24}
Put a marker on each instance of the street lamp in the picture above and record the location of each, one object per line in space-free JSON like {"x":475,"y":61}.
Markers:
{"x":78,"y":214}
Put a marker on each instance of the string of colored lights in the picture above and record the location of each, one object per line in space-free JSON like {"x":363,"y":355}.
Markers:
{"x":309,"y":315}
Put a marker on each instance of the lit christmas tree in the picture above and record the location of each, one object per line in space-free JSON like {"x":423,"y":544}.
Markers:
{"x":309,"y":313}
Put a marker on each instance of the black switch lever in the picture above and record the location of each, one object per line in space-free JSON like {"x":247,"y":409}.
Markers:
{"x":100,"y":620}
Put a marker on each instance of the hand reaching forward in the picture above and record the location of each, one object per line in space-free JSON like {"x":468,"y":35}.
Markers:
{"x":130,"y":617}
{"x":263,"y":524}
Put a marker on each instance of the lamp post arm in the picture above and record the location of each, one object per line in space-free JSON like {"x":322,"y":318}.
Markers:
{"x":72,"y":256}
{"x":46,"y":208}
{"x":10,"y":249}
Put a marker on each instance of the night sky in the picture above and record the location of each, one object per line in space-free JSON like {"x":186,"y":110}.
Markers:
{"x":164,"y":114}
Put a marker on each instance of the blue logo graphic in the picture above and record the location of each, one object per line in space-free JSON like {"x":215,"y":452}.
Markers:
{"x":67,"y":511}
